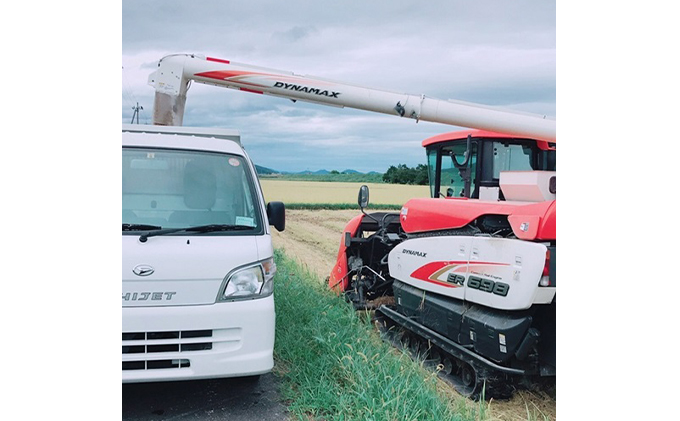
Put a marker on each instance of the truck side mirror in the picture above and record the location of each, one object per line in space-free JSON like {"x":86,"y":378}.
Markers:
{"x":363,"y":196}
{"x":276,"y":213}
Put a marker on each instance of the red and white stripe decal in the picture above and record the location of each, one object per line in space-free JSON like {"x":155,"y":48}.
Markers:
{"x":235,"y":76}
{"x":250,"y":90}
{"x":219,"y":60}
{"x":431,"y":271}
{"x":240,"y":77}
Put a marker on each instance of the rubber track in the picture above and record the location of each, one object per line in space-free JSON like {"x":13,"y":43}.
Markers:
{"x":466,"y":375}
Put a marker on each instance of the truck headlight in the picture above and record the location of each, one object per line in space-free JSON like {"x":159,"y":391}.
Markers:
{"x":251,"y":281}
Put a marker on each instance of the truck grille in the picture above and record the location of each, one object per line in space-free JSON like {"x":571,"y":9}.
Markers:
{"x":155,"y":364}
{"x":151,"y":344}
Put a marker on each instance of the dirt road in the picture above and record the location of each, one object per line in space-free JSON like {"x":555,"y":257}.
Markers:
{"x":313,"y":238}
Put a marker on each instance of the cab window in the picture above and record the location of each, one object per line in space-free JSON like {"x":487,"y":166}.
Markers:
{"x":451,"y":177}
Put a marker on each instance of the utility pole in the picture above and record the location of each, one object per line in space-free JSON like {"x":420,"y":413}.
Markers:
{"x":136,"y":113}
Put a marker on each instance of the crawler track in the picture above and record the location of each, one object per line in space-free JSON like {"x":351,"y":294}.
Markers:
{"x":453,"y":363}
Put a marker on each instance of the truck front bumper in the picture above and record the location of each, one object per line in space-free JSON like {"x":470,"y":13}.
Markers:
{"x":229,"y":339}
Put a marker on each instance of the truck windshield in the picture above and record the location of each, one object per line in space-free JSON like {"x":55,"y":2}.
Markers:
{"x":165,"y":189}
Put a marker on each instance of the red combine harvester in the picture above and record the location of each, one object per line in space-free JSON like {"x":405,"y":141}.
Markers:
{"x":464,"y":279}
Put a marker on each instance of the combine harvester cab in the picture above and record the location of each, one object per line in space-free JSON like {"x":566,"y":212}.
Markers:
{"x":466,"y":278}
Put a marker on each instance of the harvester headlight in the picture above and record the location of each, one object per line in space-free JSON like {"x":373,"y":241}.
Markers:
{"x":250,"y":282}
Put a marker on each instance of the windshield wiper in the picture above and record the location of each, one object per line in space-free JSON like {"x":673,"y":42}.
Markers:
{"x":200,"y":229}
{"x":140,"y":227}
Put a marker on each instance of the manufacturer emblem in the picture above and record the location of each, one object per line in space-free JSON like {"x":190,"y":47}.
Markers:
{"x":404,"y":213}
{"x":143,"y":270}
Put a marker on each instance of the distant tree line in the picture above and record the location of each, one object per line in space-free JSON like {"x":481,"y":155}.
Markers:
{"x":402,"y":174}
{"x":342,"y":177}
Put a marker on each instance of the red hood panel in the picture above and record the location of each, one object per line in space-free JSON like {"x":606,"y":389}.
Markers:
{"x":529,"y":221}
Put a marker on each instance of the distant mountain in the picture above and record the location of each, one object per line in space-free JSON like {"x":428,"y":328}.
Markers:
{"x":308,"y":172}
{"x":265,"y":170}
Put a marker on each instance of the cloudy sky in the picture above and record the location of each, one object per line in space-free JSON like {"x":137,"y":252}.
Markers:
{"x":490,"y":52}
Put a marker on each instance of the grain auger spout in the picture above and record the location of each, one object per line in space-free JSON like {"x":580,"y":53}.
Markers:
{"x":172,"y":79}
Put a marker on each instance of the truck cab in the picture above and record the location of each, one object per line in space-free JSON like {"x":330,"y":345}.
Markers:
{"x":197,"y":257}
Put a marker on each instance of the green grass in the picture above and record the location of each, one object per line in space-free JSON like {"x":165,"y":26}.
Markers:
{"x":335,"y":367}
{"x":341,"y":206}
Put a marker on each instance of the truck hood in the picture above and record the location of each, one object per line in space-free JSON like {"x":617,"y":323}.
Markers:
{"x":181,"y":270}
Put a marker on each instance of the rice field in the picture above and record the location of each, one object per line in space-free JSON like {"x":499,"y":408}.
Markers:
{"x":289,"y":191}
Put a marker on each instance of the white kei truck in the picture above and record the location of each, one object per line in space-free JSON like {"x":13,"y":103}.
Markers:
{"x":197,"y":257}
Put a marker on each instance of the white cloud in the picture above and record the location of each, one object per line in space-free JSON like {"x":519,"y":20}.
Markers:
{"x":490,"y":52}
